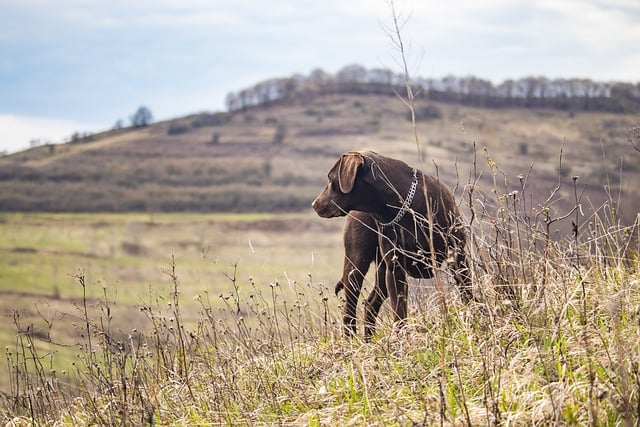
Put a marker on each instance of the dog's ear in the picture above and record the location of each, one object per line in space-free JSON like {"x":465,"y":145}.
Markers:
{"x":348,"y":169}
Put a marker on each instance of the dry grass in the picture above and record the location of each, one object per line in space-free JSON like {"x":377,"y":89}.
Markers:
{"x":555,"y":263}
{"x":554,"y":340}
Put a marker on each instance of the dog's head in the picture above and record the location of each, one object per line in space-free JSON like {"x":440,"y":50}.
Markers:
{"x":347,"y":188}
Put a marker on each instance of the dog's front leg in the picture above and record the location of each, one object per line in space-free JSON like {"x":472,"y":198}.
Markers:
{"x":462,"y":276}
{"x":352,"y":290}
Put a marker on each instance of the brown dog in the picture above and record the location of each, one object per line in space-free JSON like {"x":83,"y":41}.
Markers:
{"x":414,"y":218}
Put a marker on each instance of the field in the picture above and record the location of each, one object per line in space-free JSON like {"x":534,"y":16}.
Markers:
{"x":230,"y":318}
{"x":129,"y":257}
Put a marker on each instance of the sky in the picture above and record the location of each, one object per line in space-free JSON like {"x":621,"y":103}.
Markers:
{"x":81,"y":65}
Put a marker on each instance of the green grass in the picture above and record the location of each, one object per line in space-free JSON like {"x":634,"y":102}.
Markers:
{"x":128,"y":256}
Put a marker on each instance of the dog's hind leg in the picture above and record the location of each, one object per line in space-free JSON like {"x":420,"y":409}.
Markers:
{"x":462,"y":275}
{"x":360,"y":249}
{"x":397,"y":289}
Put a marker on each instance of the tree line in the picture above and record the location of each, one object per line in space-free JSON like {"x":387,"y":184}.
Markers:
{"x":529,"y":92}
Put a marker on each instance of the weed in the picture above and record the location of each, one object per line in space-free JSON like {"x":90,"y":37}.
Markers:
{"x":554,"y":340}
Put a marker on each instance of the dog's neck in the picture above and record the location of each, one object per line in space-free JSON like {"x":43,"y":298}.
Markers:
{"x":406,"y":204}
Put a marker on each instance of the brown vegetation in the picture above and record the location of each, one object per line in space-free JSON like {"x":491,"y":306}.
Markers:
{"x":546,"y":196}
{"x":556,"y":342}
{"x":274,"y":158}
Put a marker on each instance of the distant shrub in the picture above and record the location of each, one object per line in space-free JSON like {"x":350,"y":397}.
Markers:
{"x":177,"y":128}
{"x":133,"y":248}
{"x":173,"y":170}
{"x":271,"y":121}
{"x":523,"y":148}
{"x":563,"y":171}
{"x":215,"y":119}
{"x":603,"y":175}
{"x":427,"y":112}
{"x":266,"y":168}
{"x":77,"y":137}
{"x":281,"y":133}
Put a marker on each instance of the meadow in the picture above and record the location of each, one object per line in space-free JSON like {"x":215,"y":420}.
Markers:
{"x":239,"y":325}
{"x":128,"y":258}
{"x":229,"y":318}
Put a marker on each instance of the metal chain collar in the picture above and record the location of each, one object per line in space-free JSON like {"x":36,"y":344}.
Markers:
{"x":407,"y":202}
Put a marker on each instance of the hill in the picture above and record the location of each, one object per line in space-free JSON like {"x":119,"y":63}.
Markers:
{"x":275,"y":157}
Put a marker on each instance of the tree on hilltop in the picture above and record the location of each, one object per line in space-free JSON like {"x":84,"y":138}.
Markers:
{"x":141,"y":118}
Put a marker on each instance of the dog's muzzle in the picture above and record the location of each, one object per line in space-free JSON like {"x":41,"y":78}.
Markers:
{"x":325,"y":208}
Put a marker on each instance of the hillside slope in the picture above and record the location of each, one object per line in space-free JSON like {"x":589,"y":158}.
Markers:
{"x":275,"y":158}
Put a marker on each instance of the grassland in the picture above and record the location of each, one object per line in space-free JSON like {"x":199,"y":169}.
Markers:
{"x":554,"y":339}
{"x":214,"y":318}
{"x":127,"y":257}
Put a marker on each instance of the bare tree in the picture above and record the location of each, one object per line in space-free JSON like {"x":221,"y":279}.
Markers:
{"x":142,"y":117}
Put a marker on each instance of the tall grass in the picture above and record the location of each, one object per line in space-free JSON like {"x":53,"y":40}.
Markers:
{"x":555,"y":339}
